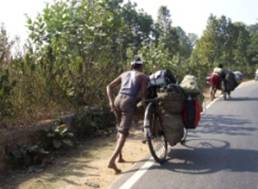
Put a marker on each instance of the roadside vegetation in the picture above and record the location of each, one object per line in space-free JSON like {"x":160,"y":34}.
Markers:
{"x":76,"y":47}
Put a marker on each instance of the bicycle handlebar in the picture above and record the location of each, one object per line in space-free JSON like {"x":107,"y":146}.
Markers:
{"x":146,"y":101}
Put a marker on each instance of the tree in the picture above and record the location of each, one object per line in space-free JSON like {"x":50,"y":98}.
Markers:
{"x":253,"y":45}
{"x":216,"y":44}
{"x":185,"y":45}
{"x":241,"y":42}
{"x":206,"y":49}
{"x":193,"y":38}
{"x":166,"y":35}
{"x":6,"y":83}
{"x":73,"y":40}
{"x":139,"y":27}
{"x":5,"y":47}
{"x":164,"y":21}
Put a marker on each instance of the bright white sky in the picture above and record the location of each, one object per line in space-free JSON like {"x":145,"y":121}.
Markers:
{"x":12,"y":15}
{"x":191,"y":15}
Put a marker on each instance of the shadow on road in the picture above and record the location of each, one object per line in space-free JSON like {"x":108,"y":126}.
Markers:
{"x":243,"y":99}
{"x":225,"y":124}
{"x":202,"y":156}
{"x":207,"y":156}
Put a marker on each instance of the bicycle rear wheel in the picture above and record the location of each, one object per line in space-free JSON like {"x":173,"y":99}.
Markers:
{"x":224,"y":95}
{"x":183,"y":140}
{"x":224,"y":90}
{"x":155,"y":135}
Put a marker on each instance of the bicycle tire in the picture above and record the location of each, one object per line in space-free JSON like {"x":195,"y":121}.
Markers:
{"x":223,"y":86}
{"x":155,"y":136}
{"x":224,"y":95}
{"x":183,"y":139}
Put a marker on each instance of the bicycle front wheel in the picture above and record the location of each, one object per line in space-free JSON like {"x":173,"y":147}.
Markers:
{"x":154,"y":134}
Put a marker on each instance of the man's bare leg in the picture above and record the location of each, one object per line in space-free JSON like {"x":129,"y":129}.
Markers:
{"x":120,"y":158}
{"x":212,"y":93}
{"x":117,"y":151}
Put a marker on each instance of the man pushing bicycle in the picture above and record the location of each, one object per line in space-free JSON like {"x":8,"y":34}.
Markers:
{"x":133,"y":86}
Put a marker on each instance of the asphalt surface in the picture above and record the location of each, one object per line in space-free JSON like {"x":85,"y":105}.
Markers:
{"x":222,"y":153}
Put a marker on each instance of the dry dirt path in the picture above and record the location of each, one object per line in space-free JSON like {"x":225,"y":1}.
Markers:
{"x":84,"y":167}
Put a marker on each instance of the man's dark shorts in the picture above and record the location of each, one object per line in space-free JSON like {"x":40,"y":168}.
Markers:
{"x":125,"y":109}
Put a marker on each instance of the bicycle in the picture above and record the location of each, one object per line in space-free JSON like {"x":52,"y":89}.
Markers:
{"x":153,"y":122}
{"x":154,"y":132}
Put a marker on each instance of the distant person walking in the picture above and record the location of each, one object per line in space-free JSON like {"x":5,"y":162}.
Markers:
{"x":215,"y":80}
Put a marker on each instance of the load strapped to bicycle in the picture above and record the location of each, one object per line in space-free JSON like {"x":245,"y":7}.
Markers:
{"x":171,"y":110}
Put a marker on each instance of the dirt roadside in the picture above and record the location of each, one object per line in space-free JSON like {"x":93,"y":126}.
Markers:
{"x":84,"y":167}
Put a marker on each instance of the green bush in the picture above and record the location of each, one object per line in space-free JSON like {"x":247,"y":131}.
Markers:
{"x":6,"y":87}
{"x":90,"y":122}
{"x":57,"y":137}
{"x":25,"y":155}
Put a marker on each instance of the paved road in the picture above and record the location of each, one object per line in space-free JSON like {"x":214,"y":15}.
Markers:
{"x":221,"y":154}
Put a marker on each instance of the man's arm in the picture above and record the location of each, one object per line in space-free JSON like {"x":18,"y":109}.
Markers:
{"x":109,"y":89}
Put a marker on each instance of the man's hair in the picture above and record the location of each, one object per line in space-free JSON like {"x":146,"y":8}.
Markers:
{"x":220,"y":65}
{"x":136,"y":66}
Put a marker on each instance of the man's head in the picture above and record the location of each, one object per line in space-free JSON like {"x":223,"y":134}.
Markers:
{"x":137,"y":63}
{"x":220,"y":65}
